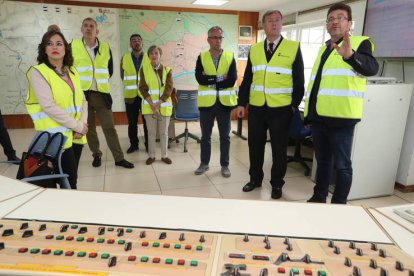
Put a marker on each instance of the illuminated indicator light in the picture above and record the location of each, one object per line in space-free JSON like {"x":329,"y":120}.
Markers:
{"x":121,"y":241}
{"x":194,"y":263}
{"x":58,"y":252}
{"x":110,"y":241}
{"x":69,"y":238}
{"x":166,"y":245}
{"x":144,"y":243}
{"x":155,"y":244}
{"x":74,"y":226}
{"x":93,"y":255}
{"x":69,"y":253}
{"x":81,"y":254}
{"x":308,"y":272}
{"x":281,"y":270}
{"x":188,"y":247}
{"x":46,"y":251}
{"x":144,"y":259}
{"x":129,"y":230}
{"x":80,"y":239}
{"x":104,"y":256}
{"x":100,"y":240}
{"x":199,"y":248}
{"x":23,"y":250}
{"x":156,"y":260}
{"x":132,"y":258}
{"x":294,"y":271}
{"x":90,"y":239}
{"x":34,"y":250}
{"x":181,"y":262}
{"x":59,"y":237}
{"x":321,"y":273}
{"x":177,"y":246}
{"x":169,"y":261}
{"x":49,"y":237}
{"x":110,"y":229}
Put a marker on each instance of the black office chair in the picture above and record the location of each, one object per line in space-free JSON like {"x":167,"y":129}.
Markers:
{"x":299,"y":133}
{"x":187,"y":110}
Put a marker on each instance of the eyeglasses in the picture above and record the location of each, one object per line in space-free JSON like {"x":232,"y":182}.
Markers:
{"x":216,"y":37}
{"x":340,"y":18}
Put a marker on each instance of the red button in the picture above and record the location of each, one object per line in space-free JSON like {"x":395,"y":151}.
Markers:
{"x":69,"y":253}
{"x":308,"y":272}
{"x":188,"y":247}
{"x":144,"y":243}
{"x":281,"y":270}
{"x":23,"y":250}
{"x":132,"y":258}
{"x":93,"y":255}
{"x":156,"y":260}
{"x":181,"y":262}
{"x":90,"y":239}
{"x":110,"y":241}
{"x":166,"y":245}
{"x":49,"y":237}
{"x":69,"y":238}
{"x":46,"y":251}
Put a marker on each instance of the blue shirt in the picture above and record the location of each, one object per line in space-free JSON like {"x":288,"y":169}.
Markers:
{"x":137,"y":61}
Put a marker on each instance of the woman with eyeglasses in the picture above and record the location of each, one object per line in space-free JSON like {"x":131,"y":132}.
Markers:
{"x":55,"y":100}
{"x":156,"y":85}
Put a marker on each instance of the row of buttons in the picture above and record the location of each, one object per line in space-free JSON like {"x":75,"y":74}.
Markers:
{"x":157,"y":260}
{"x":295,"y":271}
{"x":59,"y":252}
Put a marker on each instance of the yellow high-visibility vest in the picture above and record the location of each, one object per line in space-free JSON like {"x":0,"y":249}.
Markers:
{"x":131,"y":76}
{"x":88,"y":69}
{"x":69,"y":101}
{"x":272,"y":81}
{"x":341,"y":91}
{"x":156,"y":91}
{"x":206,"y":95}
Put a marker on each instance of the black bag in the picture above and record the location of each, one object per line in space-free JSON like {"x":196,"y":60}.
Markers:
{"x":38,"y":163}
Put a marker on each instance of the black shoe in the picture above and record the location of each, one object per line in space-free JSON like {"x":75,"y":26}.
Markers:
{"x":125,"y":164}
{"x":14,"y":159}
{"x":314,"y":199}
{"x":132,"y":148}
{"x":251,"y":186}
{"x":97,"y":162}
{"x":276,"y":192}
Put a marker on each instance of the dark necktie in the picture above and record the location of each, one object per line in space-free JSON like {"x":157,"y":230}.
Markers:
{"x":270,"y":49}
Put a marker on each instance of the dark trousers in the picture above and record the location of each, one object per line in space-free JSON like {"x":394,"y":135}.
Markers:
{"x":70,"y":166}
{"x":132,"y":111}
{"x":259,"y":121}
{"x":5,"y":140}
{"x":77,"y":150}
{"x":207,"y":117}
{"x":333,"y":143}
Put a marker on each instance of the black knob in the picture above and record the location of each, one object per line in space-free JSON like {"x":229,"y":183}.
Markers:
{"x":352,"y":244}
{"x":399,"y":266}
{"x":383,"y":253}
{"x":267,"y":246}
{"x":289,"y":247}
{"x":374,"y":246}
{"x":128,"y":246}
{"x":202,"y":239}
{"x":337,"y":250}
{"x":142,"y":234}
{"x":64,"y":228}
{"x":8,"y":232}
{"x":356,"y":271}
{"x":24,"y":225}
{"x":246,"y":238}
{"x":286,"y":241}
{"x":348,"y":262}
{"x":27,"y":234}
{"x":331,"y":243}
{"x":101,"y":231}
{"x":359,"y":252}
{"x":373,"y":264}
{"x":384,"y":272}
{"x":83,"y":230}
{"x":120,"y":232}
{"x":182,"y":238}
{"x":42,"y":227}
{"x":112,"y":261}
{"x":163,"y":236}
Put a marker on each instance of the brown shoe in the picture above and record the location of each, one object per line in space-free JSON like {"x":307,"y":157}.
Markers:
{"x":150,"y":160}
{"x":166,"y":160}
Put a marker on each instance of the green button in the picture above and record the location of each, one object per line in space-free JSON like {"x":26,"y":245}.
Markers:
{"x":194,"y":263}
{"x":295,"y":271}
{"x":121,"y":241}
{"x":144,"y":259}
{"x":59,"y":237}
{"x":129,"y":230}
{"x":199,"y":248}
{"x":168,"y":261}
{"x":321,"y":273}
{"x":58,"y":252}
{"x":155,"y":244}
{"x":74,"y":226}
{"x":35,"y":250}
{"x":104,"y":256}
{"x":100,"y":240}
{"x":177,"y":246}
{"x":81,"y":254}
{"x":110,"y":229}
{"x":79,"y":239}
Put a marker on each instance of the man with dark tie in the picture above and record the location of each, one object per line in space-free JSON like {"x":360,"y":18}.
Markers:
{"x":273,"y":86}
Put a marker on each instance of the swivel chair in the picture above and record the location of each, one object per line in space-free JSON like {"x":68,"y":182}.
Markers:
{"x":299,"y":133}
{"x":187,"y":110}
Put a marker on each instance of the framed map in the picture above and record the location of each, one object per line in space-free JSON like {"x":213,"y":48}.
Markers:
{"x":243,"y":51}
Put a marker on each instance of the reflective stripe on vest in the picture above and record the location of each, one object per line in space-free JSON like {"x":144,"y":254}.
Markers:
{"x":341,"y":90}
{"x":67,"y":100}
{"x":206,"y":96}
{"x":88,"y":69}
{"x":131,"y":76}
{"x":155,"y":91}
{"x":272,"y":81}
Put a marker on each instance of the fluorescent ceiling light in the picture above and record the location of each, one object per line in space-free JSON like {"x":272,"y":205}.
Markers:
{"x":210,"y":2}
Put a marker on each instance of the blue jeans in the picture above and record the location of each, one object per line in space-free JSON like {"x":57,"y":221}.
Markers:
{"x":333,"y":143}
{"x":207,"y":117}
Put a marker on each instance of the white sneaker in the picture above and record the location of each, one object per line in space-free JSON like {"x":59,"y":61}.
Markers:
{"x":225,"y":172}
{"x":201,"y":169}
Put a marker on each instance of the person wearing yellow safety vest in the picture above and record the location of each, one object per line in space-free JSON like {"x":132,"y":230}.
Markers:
{"x":93,"y":61}
{"x":273,"y":85}
{"x":131,"y":63}
{"x":334,"y":101}
{"x":216,"y":74}
{"x":55,"y":100}
{"x":156,"y":86}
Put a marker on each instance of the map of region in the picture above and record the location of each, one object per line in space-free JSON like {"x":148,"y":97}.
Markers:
{"x":181,"y":36}
{"x":22,"y":26}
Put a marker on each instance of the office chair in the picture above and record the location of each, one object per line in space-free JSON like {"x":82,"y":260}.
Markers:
{"x":54,"y":153}
{"x":299,"y":132}
{"x":187,"y":110}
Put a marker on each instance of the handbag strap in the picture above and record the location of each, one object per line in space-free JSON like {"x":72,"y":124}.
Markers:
{"x":37,"y":140}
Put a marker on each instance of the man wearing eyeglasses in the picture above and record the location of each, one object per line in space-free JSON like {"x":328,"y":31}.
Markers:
{"x":273,"y":86}
{"x":334,"y":101}
{"x":216,"y":74}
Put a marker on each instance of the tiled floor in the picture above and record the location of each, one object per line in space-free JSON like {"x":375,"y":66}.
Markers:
{"x":178,"y":178}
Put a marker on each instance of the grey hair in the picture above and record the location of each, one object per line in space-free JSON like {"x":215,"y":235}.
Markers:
{"x":214,"y":28}
{"x":152,"y":48}
{"x":269,"y":12}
